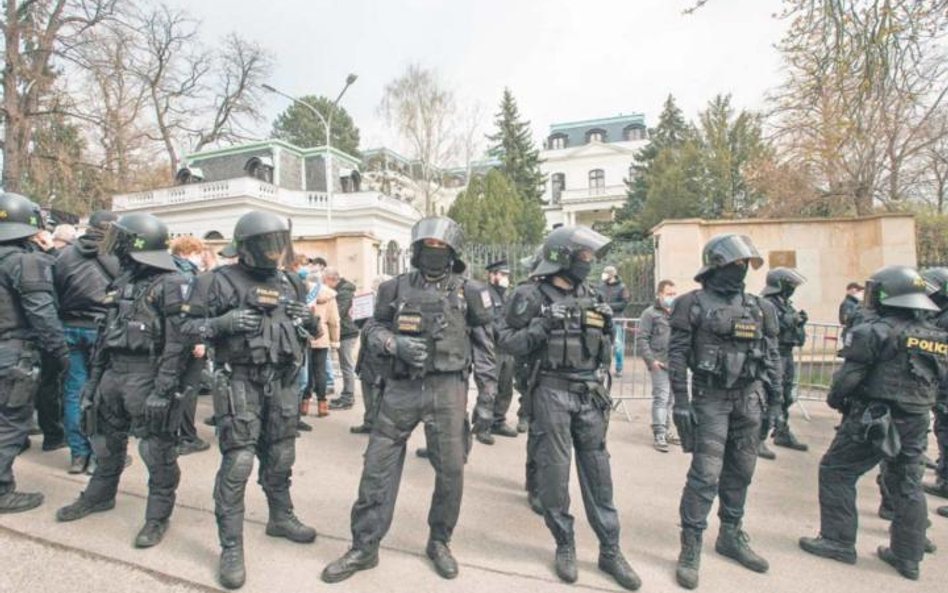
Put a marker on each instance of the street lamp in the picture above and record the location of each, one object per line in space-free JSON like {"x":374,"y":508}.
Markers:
{"x":330,"y":182}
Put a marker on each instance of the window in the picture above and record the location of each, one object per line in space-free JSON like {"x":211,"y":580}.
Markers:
{"x":634,"y":132}
{"x":595,"y":135}
{"x":558,"y":141}
{"x":557,"y":185}
{"x":597,"y":181}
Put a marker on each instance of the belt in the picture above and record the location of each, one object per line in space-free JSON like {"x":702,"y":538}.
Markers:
{"x":131,"y":362}
{"x":557,"y":382}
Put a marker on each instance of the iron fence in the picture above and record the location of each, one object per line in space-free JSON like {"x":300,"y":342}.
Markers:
{"x":814,"y":365}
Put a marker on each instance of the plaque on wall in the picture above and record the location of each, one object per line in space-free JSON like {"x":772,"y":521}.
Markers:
{"x":782,"y":259}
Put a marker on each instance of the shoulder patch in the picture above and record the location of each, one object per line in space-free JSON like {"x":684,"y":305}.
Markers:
{"x":485,"y":299}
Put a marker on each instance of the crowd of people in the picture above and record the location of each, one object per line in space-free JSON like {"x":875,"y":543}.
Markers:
{"x":130,"y":326}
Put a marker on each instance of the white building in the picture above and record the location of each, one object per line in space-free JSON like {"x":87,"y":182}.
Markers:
{"x":587,"y":164}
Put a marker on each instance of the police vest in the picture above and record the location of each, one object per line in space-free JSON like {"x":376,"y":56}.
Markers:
{"x":728,"y":343}
{"x":13,"y":323}
{"x":278,"y":341}
{"x":579,"y":342}
{"x":133,"y":325}
{"x":912,"y":363}
{"x":791,"y":332}
{"x":436,"y":313}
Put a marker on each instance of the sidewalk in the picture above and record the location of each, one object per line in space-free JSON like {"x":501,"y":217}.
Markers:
{"x":500,"y":544}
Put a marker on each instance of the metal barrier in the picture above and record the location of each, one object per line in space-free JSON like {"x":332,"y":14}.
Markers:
{"x":814,"y":363}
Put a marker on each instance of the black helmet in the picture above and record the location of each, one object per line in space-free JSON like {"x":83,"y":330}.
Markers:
{"x":261,"y":239}
{"x":20,"y":217}
{"x":141,"y":237}
{"x":440,"y":228}
{"x":898,"y":286}
{"x":564,"y":243}
{"x":722,"y":250}
{"x":780,"y":279}
{"x":100,"y":219}
{"x":937,"y":281}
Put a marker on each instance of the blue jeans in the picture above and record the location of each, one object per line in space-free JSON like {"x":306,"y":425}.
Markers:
{"x":81,"y":341}
{"x":330,"y":382}
{"x":619,"y":347}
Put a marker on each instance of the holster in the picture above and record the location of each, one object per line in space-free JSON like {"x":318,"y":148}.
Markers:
{"x":877,"y":428}
{"x":222,"y":394}
{"x":23,"y":380}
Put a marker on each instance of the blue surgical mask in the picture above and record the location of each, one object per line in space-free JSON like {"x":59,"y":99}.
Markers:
{"x":667,"y":301}
{"x":303,"y":272}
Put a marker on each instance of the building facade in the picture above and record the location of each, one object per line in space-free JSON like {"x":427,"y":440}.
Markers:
{"x":586,"y":164}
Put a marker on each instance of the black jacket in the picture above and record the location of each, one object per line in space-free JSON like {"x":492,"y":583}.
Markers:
{"x":345,"y":291}
{"x":616,"y":295}
{"x":81,"y":276}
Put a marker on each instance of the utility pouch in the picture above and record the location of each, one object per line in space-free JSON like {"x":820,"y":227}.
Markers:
{"x":575,"y":357}
{"x":708,"y":359}
{"x":221,"y":395}
{"x":23,"y":381}
{"x":556,"y":349}
{"x":733,"y":366}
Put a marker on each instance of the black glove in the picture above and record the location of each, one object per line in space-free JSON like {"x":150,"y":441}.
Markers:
{"x":298,"y":310}
{"x":803,"y":317}
{"x":559,"y":311}
{"x":156,"y":412}
{"x":605,"y":310}
{"x":236,"y":321}
{"x":414,"y":351}
{"x":837,"y":402}
{"x":686,"y":424}
{"x":483,"y":419}
{"x":87,"y":411}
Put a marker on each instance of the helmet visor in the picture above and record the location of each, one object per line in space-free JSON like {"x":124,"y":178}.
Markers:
{"x":264,"y":251}
{"x":118,"y":240}
{"x":439,"y":228}
{"x":586,"y":238}
{"x":731,"y":248}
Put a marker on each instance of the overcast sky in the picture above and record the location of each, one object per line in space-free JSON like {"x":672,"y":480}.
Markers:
{"x":564,"y":60}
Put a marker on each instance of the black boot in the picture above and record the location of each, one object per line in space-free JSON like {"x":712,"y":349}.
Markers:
{"x":504,"y":430}
{"x":939,"y":488}
{"x":784,"y":438}
{"x":17,"y":502}
{"x":827,"y":548}
{"x":906,"y":568}
{"x":613,"y":563}
{"x":764,"y":452}
{"x":689,"y":559}
{"x":444,"y":562}
{"x":151,"y":533}
{"x":352,"y":561}
{"x":484,"y":437}
{"x":566,"y":562}
{"x":930,"y":547}
{"x":83,"y":507}
{"x":284,"y":523}
{"x":943,"y":511}
{"x":535,"y":505}
{"x":231,"y":572}
{"x":734,"y":543}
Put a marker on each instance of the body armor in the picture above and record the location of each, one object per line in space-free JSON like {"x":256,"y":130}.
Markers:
{"x":579,"y":342}
{"x":438,"y":314}
{"x":791,"y":325}
{"x":278,"y":342}
{"x":911,"y":363}
{"x":132,"y":325}
{"x":729,"y":349}
{"x":13,"y":324}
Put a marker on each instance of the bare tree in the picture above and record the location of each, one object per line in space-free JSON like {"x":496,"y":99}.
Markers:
{"x":420,"y":109}
{"x":471,"y":136}
{"x":37,"y":33}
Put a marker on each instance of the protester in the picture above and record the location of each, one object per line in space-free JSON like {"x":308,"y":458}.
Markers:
{"x":348,"y":333}
{"x":652,"y":345}
{"x":613,"y":291}
{"x":64,"y":235}
{"x":323,"y":305}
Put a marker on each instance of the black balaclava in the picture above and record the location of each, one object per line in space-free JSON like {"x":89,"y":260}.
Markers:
{"x":728,"y":279}
{"x":578,"y":271}
{"x":434,"y":262}
{"x":940,"y":299}
{"x":788,"y":291}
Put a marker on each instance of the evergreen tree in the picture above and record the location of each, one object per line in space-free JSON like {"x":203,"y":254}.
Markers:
{"x":300,"y":126}
{"x":491,"y":212}
{"x":513,"y":146}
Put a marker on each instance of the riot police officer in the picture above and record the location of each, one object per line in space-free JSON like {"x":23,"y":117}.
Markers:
{"x":565,"y":329}
{"x":728,"y":339}
{"x":28,"y":326}
{"x":254,"y":317}
{"x":895,"y":365}
{"x":781,"y":284}
{"x":432,"y":325}
{"x":937,"y":279}
{"x":134,"y":376}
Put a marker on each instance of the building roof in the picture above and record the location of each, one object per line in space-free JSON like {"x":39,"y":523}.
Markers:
{"x":614,"y":127}
{"x":271,"y":143}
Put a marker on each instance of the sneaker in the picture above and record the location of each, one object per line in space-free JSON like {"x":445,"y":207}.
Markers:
{"x":660,"y":443}
{"x":341,"y":403}
{"x":78,"y":463}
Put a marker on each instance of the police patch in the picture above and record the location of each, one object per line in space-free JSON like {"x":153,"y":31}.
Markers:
{"x":924,"y":345}
{"x":185,"y":291}
{"x":486,"y":300}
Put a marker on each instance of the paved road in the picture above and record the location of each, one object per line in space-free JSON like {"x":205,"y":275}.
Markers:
{"x":501,"y":545}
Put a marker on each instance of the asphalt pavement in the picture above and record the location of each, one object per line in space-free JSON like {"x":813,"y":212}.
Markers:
{"x":500,"y":544}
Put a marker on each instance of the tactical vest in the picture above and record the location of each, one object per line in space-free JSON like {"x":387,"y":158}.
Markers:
{"x":13,"y":323}
{"x":436,"y":313}
{"x":912,"y":363}
{"x":278,"y":341}
{"x":132,"y":324}
{"x":578,"y":343}
{"x":728,"y":347}
{"x":791,"y":332}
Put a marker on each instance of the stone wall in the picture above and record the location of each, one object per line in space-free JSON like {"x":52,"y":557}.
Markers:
{"x":830,"y":253}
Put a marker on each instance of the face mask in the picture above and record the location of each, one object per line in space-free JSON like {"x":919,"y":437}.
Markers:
{"x":303,"y":272}
{"x":788,"y":292}
{"x":503,"y":282}
{"x":196,"y":260}
{"x":605,"y":277}
{"x":434,"y":261}
{"x":667,"y":301}
{"x":579,"y":271}
{"x":729,"y":279}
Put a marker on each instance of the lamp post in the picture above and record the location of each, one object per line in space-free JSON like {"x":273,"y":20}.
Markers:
{"x":327,"y":161}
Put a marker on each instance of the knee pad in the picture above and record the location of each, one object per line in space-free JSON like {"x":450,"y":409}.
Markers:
{"x":281,"y":456}
{"x":241,"y":464}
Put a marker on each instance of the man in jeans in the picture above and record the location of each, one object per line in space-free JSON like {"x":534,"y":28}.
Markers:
{"x":651,"y":341}
{"x":614,"y":292}
{"x":348,"y":336}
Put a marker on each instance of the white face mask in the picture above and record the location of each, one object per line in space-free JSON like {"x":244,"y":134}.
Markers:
{"x":503,"y":282}
{"x":605,"y":277}
{"x":197,"y":260}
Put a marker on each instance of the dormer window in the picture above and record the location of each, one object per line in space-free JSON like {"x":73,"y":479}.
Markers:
{"x":634,"y":132}
{"x":558,"y":141}
{"x":595,"y":135}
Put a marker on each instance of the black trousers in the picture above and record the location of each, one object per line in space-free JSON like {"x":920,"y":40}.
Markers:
{"x":439,"y":401}
{"x":121,"y":411}
{"x":725,"y":454}
{"x":563,"y":421}
{"x":505,"y":373}
{"x":850,"y":456}
{"x":193,"y":378}
{"x":49,"y":400}
{"x":16,"y":418}
{"x":316,"y":382}
{"x":941,"y":434}
{"x":259,"y":421}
